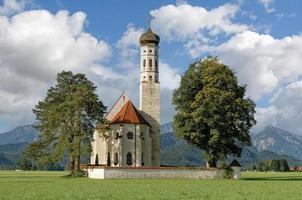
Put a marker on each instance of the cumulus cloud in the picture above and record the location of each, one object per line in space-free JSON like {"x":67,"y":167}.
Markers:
{"x":184,"y":21}
{"x":128,"y":46}
{"x":261,"y":61}
{"x":195,"y":25}
{"x":169,"y":77}
{"x":285,"y":109}
{"x":269,"y":67}
{"x":34,"y":47}
{"x":13,"y":6}
{"x":267,"y":5}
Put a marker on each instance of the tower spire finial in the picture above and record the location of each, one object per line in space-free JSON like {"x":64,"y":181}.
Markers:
{"x":149,"y":22}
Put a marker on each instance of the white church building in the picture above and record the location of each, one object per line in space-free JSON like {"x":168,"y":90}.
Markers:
{"x":133,"y":136}
{"x":130,"y":145}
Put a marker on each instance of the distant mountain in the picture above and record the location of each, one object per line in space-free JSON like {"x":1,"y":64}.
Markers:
{"x":278,"y":141}
{"x":166,"y":128}
{"x":20,"y":134}
{"x":12,"y":144}
{"x":4,"y":161}
{"x":13,"y":152}
{"x":271,"y":143}
{"x":176,"y":152}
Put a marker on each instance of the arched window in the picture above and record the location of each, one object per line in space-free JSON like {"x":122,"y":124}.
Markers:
{"x":144,"y":62}
{"x":129,"y":158}
{"x":150,"y":63}
{"x":108,"y":159}
{"x":115,"y":162}
{"x":143,"y":162}
{"x":117,"y":135}
{"x":156,"y":65}
{"x":130,"y":135}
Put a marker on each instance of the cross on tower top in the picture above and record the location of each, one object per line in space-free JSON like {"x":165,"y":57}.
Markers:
{"x":149,"y":22}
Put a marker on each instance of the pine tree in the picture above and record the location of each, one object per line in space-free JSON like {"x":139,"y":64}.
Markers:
{"x":66,"y":120}
{"x":212,"y":112}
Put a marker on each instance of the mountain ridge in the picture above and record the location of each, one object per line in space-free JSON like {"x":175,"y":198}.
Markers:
{"x":270,"y":143}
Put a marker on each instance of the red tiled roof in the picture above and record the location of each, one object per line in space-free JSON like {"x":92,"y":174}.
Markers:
{"x":128,"y":114}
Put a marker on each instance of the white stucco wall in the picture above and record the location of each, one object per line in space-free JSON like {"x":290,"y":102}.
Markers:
{"x":126,"y":173}
{"x":123,"y":145}
{"x":236,"y":172}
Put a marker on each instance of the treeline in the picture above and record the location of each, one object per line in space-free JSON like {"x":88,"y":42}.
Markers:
{"x":27,"y":164}
{"x":273,"y":165}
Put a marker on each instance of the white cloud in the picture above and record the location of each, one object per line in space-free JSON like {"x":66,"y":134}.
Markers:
{"x":13,"y":6}
{"x":267,"y":5}
{"x":285,"y":109}
{"x":184,"y":21}
{"x":196,"y":26}
{"x":169,"y":77}
{"x":268,"y":66}
{"x":262,"y":61}
{"x":34,"y":46}
{"x":128,"y":46}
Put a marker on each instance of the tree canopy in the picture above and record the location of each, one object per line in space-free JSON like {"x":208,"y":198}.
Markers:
{"x":66,"y":120}
{"x":212,"y":112}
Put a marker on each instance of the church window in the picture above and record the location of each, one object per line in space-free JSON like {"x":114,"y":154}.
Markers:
{"x":156,"y":65}
{"x":129,"y":158}
{"x":150,"y":63}
{"x":115,"y":162}
{"x":150,"y":51}
{"x":143,"y":162}
{"x":130,"y":135}
{"x":144,"y":51}
{"x":150,"y":77}
{"x":108,"y":159}
{"x":117,"y":135}
{"x":144,"y":62}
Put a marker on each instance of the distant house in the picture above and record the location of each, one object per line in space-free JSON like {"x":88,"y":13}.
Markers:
{"x":297,"y":168}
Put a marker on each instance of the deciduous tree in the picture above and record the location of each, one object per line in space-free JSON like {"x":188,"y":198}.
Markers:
{"x":212,"y":112}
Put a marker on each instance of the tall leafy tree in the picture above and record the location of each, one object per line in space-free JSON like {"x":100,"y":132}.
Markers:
{"x":66,"y":120}
{"x":212,"y":112}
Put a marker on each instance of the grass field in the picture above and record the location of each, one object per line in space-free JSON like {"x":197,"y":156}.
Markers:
{"x":55,"y":185}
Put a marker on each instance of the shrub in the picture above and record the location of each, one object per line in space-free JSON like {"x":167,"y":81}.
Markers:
{"x":79,"y":173}
{"x":228,"y":172}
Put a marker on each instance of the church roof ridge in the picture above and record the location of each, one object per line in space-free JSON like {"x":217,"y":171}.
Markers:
{"x":128,"y":114}
{"x":123,"y":93}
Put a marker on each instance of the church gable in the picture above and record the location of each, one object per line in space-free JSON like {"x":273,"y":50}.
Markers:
{"x":128,"y":114}
{"x":121,"y":101}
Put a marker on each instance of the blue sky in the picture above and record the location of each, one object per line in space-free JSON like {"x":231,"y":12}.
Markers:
{"x":259,"y":39}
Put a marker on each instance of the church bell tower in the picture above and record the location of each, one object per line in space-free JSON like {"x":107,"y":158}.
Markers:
{"x":149,"y":99}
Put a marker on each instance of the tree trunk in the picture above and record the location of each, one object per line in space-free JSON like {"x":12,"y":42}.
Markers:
{"x":78,"y":157}
{"x":71,"y":163}
{"x":78,"y":163}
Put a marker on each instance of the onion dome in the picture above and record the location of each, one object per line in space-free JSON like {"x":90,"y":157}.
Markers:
{"x":149,"y":37}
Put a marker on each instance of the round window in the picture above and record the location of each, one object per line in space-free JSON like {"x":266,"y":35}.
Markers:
{"x":130,"y":135}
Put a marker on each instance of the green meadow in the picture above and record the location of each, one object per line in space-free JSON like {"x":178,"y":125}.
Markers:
{"x":56,"y":185}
